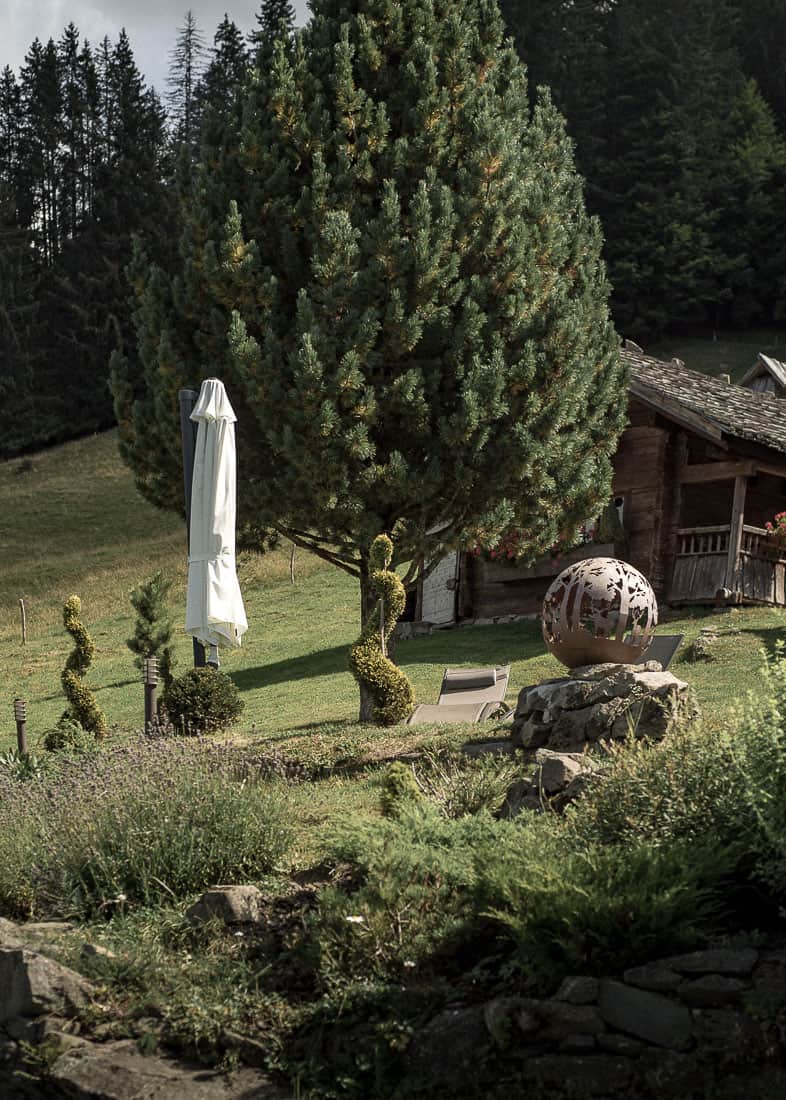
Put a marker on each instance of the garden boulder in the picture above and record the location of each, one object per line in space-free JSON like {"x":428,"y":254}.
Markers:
{"x":229,"y":904}
{"x":33,"y":985}
{"x":601,"y":702}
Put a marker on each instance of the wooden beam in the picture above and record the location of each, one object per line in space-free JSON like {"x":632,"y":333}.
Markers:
{"x":716,"y":471}
{"x":768,"y":468}
{"x":735,"y":532}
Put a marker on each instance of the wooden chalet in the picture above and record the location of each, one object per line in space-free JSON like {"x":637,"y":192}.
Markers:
{"x":700,"y":469}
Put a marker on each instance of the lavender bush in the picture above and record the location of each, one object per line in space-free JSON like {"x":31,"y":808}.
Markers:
{"x":136,"y":825}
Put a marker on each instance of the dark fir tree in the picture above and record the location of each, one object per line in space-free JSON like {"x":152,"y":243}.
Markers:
{"x":407,"y":302}
{"x":40,"y":146}
{"x":18,"y":308}
{"x":762,"y":25}
{"x":654,"y":185}
{"x":275,"y":18}
{"x":85,"y":294}
{"x":185,"y":67}
{"x":750,"y":191}
{"x":221,"y":84}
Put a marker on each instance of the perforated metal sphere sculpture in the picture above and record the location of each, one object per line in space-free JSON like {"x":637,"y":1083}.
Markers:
{"x":598,"y":610}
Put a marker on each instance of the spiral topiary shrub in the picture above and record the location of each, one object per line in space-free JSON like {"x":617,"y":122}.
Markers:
{"x":202,"y":700}
{"x":388,"y":686}
{"x":82,"y":705}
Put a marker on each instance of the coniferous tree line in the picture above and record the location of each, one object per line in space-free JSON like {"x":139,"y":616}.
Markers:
{"x":677,"y":109}
{"x":678,"y":112}
{"x":92,"y":159}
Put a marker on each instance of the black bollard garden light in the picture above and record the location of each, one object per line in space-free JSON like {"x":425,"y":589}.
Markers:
{"x":150,"y":675}
{"x":20,"y":714}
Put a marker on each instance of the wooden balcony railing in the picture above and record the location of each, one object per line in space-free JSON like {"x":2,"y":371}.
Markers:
{"x":700,"y":566}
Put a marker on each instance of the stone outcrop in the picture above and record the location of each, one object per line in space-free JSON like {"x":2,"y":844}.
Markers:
{"x":702,"y":1023}
{"x":39,"y":1000}
{"x":117,"y":1071}
{"x":601,"y":702}
{"x":228,"y":904}
{"x":558,"y":779}
{"x":33,"y":985}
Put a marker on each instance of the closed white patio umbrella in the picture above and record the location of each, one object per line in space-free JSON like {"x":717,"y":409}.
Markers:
{"x":215,"y":614}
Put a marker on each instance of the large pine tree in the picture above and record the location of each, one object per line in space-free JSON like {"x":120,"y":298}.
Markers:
{"x":407,"y":300}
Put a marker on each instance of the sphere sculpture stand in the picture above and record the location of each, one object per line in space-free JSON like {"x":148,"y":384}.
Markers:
{"x":597,"y":611}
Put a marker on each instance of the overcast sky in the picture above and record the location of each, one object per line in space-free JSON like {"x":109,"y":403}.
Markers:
{"x":151,"y":25}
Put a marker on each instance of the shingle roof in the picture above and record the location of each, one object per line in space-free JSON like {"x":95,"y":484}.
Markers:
{"x":729,"y":409}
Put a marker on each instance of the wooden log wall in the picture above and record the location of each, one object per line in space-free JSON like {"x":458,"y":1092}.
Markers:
{"x":639,"y":478}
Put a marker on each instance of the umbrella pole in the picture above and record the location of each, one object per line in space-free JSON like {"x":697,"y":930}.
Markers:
{"x":188,"y":433}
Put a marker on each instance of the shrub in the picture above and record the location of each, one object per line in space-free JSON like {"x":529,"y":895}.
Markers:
{"x":153,"y":627}
{"x":425,"y":884}
{"x":385,"y":682}
{"x":399,"y":788}
{"x":684,"y":788}
{"x":83,"y":707}
{"x":141,"y":826}
{"x":461,"y":784}
{"x":68,"y":736}
{"x":603,"y":907}
{"x":203,"y":700}
{"x":415,"y":876}
{"x":759,"y":753}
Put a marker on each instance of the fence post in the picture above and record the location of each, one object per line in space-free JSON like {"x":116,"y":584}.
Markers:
{"x":188,"y":434}
{"x":150,"y":671}
{"x":23,"y":617}
{"x":20,"y":714}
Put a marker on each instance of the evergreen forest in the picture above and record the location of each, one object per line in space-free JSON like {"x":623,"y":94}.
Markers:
{"x":677,"y":111}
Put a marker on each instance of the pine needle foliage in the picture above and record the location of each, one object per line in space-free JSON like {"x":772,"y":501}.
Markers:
{"x":395,"y":274}
{"x":153,"y":627}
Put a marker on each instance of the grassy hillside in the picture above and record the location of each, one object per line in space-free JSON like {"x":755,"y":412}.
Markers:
{"x":733,"y":353}
{"x":75,"y":524}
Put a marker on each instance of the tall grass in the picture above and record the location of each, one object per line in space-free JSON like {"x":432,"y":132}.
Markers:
{"x":134,"y":827}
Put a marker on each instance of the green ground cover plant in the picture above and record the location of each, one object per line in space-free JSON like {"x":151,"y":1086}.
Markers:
{"x":427,"y":885}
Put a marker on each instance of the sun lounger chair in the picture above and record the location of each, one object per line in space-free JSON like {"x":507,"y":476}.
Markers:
{"x":467,"y":695}
{"x":662,"y":648}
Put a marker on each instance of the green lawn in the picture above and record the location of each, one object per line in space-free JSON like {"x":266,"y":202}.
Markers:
{"x":78,"y":525}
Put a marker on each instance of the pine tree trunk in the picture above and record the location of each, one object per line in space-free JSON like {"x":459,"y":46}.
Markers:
{"x":367,"y":602}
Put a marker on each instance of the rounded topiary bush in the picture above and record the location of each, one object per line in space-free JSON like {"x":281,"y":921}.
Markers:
{"x":68,"y":736}
{"x":202,"y":700}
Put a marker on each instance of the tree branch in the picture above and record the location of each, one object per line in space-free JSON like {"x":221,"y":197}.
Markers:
{"x":326,"y":555}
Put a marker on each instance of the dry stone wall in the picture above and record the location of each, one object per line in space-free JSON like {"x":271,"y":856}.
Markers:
{"x":601,"y":702}
{"x":705,"y":1024}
